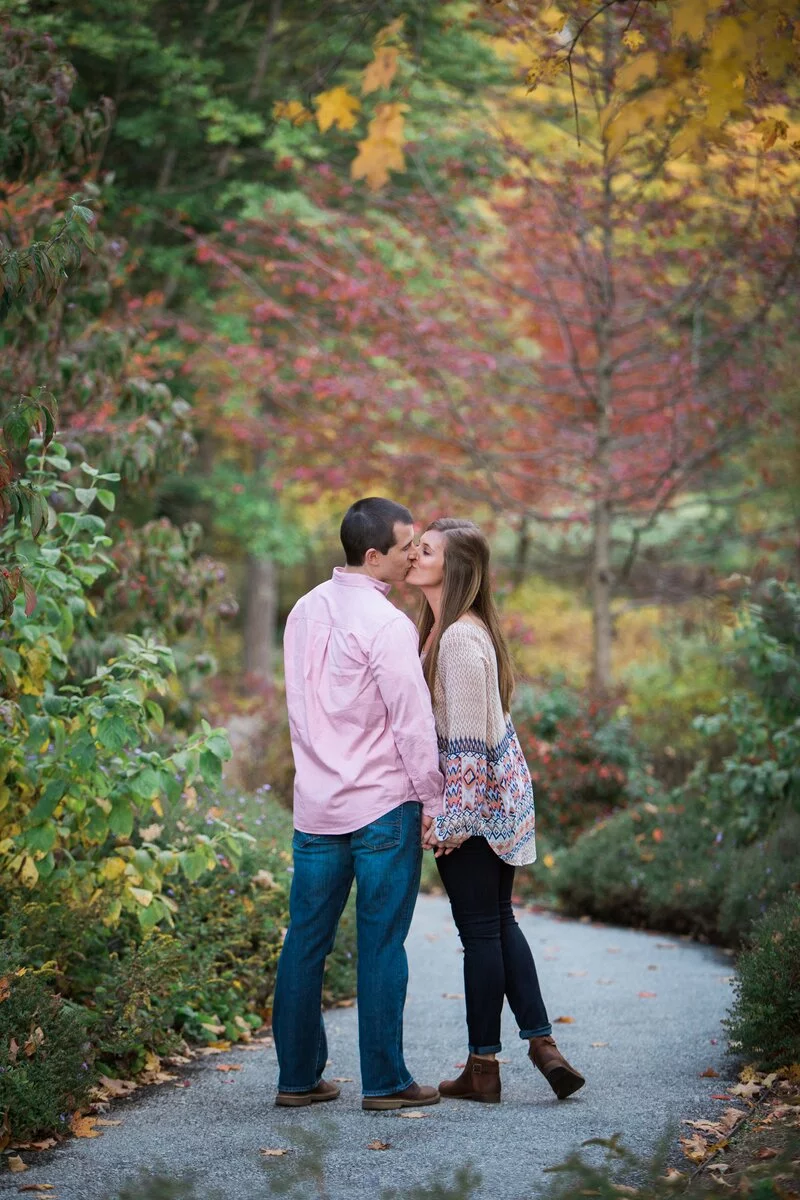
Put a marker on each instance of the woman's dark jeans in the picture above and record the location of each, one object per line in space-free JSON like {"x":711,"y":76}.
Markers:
{"x":497,"y":958}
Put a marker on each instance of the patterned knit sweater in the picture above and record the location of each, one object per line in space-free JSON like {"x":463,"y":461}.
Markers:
{"x":488,"y":791}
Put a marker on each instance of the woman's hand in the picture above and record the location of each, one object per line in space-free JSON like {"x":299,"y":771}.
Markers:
{"x":431,"y":842}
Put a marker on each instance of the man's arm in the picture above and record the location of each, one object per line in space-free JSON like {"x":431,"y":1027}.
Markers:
{"x":395,"y":664}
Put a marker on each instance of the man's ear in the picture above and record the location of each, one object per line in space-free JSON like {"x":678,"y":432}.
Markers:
{"x":372,"y":558}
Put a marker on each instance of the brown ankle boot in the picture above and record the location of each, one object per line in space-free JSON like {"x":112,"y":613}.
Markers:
{"x":563,"y":1079}
{"x":480,"y":1080}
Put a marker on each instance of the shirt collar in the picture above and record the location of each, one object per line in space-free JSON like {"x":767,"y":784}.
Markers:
{"x":350,"y":579}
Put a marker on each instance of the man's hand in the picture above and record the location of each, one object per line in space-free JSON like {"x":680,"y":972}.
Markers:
{"x":431,"y":842}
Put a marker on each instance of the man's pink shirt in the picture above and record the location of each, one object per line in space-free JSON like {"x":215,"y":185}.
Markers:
{"x":360,"y":715}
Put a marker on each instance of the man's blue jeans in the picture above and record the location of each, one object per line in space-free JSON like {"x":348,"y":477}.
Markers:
{"x":384,"y":858}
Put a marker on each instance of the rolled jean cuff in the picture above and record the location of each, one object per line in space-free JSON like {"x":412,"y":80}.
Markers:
{"x":297,"y":1091}
{"x":485,"y":1049}
{"x":543,"y":1031}
{"x":401,"y":1087}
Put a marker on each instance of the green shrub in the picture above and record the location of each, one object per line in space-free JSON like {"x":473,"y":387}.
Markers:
{"x":580,"y":757}
{"x":758,"y":876}
{"x":46,"y":1066}
{"x":765,"y":1018}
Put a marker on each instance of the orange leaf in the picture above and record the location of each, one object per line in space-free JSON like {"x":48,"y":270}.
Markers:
{"x":274,"y":1153}
{"x":766,"y":1152}
{"x":648,"y":995}
{"x":709,"y":1073}
{"x":657,"y":835}
{"x":16,"y":1164}
{"x":229,"y":1066}
{"x":84,"y":1127}
{"x":381,"y":71}
{"x":376,"y":1145}
{"x":565,"y":1021}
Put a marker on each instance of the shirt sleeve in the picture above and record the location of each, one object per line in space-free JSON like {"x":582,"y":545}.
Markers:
{"x":396,"y":668}
{"x":463,"y":737}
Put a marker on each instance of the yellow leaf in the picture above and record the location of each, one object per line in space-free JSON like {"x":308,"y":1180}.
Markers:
{"x":157,"y":806}
{"x":5,"y":796}
{"x":644,"y":66}
{"x":16,"y":1164}
{"x":113,"y":868}
{"x":151,"y":832}
{"x":29,"y":874}
{"x":381,"y":71}
{"x":633,"y":39}
{"x":293,"y":111}
{"x":771,"y":131}
{"x":553,"y":19}
{"x":382,"y":149}
{"x":549,"y":861}
{"x":688,"y":17}
{"x":142,"y":896}
{"x":336,"y":107}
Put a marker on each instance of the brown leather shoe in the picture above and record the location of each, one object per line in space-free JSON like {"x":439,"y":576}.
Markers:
{"x":414,"y":1096}
{"x":563,"y":1079}
{"x":480,"y":1080}
{"x":322,"y":1092}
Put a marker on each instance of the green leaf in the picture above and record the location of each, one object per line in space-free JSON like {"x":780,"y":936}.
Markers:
{"x":46,"y":805}
{"x":106,"y":498}
{"x":146,"y":784}
{"x":194,"y":863}
{"x":114,"y":732}
{"x":210,"y":768}
{"x":42,"y":837}
{"x":218,"y":744}
{"x":120,"y":820}
{"x":85,"y":496}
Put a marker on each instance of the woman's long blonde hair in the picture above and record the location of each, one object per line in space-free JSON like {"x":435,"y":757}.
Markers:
{"x":466,"y":589}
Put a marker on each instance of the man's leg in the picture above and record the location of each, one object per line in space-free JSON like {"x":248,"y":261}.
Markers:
{"x":323,"y":876}
{"x":387,"y":857}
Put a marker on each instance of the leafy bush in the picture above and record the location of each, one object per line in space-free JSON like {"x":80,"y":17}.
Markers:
{"x":84,"y":770}
{"x":45,"y":1056}
{"x":580,"y":755}
{"x":709,"y":858}
{"x":765,"y":1019}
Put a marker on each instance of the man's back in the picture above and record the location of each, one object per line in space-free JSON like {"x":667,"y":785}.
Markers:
{"x":360,"y":715}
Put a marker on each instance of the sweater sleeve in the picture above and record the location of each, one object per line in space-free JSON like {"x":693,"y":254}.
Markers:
{"x":462,"y":733}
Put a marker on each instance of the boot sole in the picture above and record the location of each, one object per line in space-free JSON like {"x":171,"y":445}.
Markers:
{"x":564,"y":1083}
{"x":302,"y":1099}
{"x":385,"y":1103}
{"x":473,"y":1096}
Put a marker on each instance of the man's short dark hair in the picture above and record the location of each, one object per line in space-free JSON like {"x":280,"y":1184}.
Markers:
{"x":369,"y":525}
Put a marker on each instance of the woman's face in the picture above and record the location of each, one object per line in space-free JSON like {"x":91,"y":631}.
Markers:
{"x":427,"y":561}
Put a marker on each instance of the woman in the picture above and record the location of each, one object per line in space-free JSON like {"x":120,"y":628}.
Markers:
{"x":489,"y":812}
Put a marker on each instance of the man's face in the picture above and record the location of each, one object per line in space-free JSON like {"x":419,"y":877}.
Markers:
{"x":393,"y":566}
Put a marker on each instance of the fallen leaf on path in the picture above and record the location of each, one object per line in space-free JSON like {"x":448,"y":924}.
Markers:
{"x":412,"y":1115}
{"x":503,"y":1060}
{"x":647,"y":995}
{"x":665,"y":946}
{"x":746,"y":1090}
{"x":709,"y":1073}
{"x":432,"y":937}
{"x":376,"y":1145}
{"x":695,"y":1148}
{"x":673,"y":1176}
{"x":598,"y":1045}
{"x":613,"y":950}
{"x":117,"y":1087}
{"x":768,"y":1080}
{"x":228,"y":1067}
{"x":564,"y":1021}
{"x":577,"y":974}
{"x":183,"y":1083}
{"x":342,"y":1079}
{"x":458,"y":1066}
{"x":36,"y":1187}
{"x":107,"y":1123}
{"x":452,"y":995}
{"x":720,"y":1096}
{"x":277,"y":1153}
{"x":731,"y":1117}
{"x":16,"y":1164}
{"x":766,"y":1152}
{"x":652,"y":966}
{"x":720,"y":1167}
{"x":605,"y":982}
{"x":344,"y":1004}
{"x":84,"y":1127}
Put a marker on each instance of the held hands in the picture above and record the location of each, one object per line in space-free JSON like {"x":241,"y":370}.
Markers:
{"x":431,"y":842}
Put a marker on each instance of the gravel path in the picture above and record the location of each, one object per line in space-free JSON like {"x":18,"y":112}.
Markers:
{"x":645,"y":1011}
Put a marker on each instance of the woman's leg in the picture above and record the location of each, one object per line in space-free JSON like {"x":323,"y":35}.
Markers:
{"x":471,"y":878}
{"x":522,"y":982}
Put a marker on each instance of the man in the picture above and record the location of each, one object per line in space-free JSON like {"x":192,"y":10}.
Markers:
{"x":367,"y":778}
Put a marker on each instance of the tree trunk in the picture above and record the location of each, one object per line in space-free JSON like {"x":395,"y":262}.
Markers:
{"x":260,"y":619}
{"x":523,"y":546}
{"x":602,"y":578}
